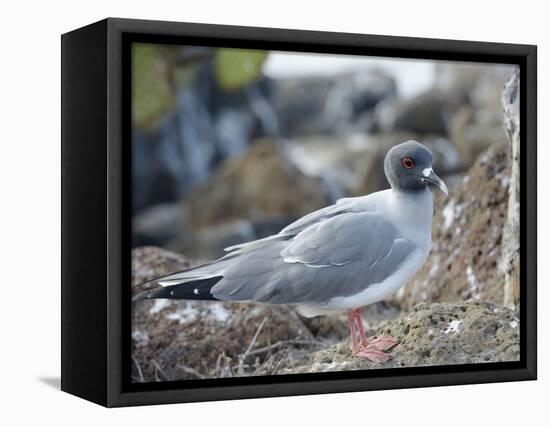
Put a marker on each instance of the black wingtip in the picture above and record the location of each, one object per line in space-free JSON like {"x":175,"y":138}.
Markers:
{"x":192,"y":290}
{"x":141,"y":296}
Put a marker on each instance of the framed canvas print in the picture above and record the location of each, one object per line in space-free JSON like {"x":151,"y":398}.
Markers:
{"x":253,"y":212}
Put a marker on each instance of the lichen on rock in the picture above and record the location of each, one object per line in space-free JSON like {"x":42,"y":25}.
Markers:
{"x":510,"y":242}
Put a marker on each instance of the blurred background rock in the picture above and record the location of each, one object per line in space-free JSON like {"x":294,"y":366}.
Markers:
{"x":233,"y":145}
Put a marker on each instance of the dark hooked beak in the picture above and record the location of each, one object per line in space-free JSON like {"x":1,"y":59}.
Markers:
{"x":429,"y":176}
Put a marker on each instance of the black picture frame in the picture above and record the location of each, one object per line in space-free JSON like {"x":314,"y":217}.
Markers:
{"x":96,"y":226}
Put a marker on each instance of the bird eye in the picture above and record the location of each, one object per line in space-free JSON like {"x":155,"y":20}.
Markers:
{"x":407,"y":162}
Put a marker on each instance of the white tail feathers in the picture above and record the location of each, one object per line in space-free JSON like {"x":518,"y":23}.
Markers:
{"x":182,"y":277}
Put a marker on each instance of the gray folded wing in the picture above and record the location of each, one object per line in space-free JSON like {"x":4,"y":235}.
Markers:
{"x":343,"y":206}
{"x":338,"y":256}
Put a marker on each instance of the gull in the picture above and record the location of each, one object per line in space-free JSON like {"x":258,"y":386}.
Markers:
{"x":338,"y":259}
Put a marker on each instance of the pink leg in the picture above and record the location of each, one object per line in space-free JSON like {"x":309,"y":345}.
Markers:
{"x":370,"y":350}
{"x":354,"y":345}
{"x":359,"y":321}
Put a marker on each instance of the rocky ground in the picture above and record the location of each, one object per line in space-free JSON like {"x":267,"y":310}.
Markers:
{"x":433,"y":334}
{"x":177,"y":340}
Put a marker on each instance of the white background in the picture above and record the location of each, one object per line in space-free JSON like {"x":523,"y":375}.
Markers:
{"x":30,"y":196}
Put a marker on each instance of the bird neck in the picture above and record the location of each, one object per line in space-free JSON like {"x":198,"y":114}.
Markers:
{"x":412,"y":210}
{"x":420,"y":196}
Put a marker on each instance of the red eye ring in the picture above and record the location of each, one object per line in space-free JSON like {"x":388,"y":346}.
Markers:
{"x":407,"y":162}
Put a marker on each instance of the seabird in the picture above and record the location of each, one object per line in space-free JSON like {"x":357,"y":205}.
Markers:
{"x":351,"y":254}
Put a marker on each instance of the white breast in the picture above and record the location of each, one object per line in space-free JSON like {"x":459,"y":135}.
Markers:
{"x":412,"y":215}
{"x":377,"y":292}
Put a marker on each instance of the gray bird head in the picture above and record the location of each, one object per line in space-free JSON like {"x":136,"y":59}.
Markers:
{"x":408,"y":167}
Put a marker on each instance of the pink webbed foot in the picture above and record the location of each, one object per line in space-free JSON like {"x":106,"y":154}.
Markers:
{"x":383,"y":343}
{"x":373,"y":355}
{"x":360,"y":346}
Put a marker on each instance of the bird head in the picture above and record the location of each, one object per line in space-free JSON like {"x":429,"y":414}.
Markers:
{"x":408,"y":167}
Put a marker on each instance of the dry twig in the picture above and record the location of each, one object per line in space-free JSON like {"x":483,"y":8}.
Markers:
{"x":158,"y":368}
{"x":192,"y":371}
{"x":141,"y":378}
{"x":242,"y":357}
